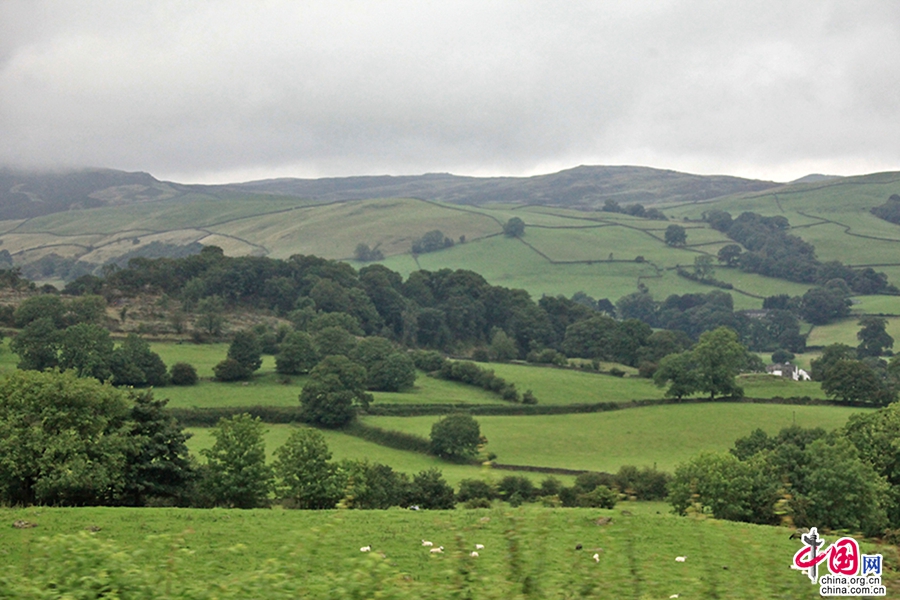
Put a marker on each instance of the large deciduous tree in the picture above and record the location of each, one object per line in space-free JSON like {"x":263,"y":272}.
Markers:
{"x":63,"y":440}
{"x":456,"y":437}
{"x":336,"y":387}
{"x":237,"y":475}
{"x":305,"y":477}
{"x":873,"y":339}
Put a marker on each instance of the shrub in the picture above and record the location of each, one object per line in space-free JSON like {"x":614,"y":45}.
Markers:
{"x":428,"y":360}
{"x":231,"y":370}
{"x":642,"y":484}
{"x":471,"y":489}
{"x":183,"y":374}
{"x":550,"y":486}
{"x":600,"y":497}
{"x":429,"y":490}
{"x":480,"y":355}
{"x":586,"y":482}
{"x":516,"y":487}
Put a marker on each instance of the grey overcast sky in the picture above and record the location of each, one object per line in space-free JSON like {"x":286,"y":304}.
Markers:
{"x":216,"y":91}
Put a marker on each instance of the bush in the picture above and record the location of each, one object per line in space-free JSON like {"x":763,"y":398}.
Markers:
{"x":514,"y":488}
{"x":471,"y":489}
{"x":428,"y":360}
{"x":550,"y":486}
{"x":183,"y":374}
{"x":231,"y":370}
{"x":600,"y":497}
{"x":642,"y":484}
{"x":587,"y":482}
{"x":480,"y":355}
{"x":429,"y":490}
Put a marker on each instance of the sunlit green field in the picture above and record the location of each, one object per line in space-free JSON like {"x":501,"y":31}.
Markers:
{"x":845,"y":330}
{"x":659,"y":435}
{"x":636,"y":551}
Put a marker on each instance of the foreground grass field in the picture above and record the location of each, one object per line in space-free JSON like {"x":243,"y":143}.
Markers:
{"x":528,"y":552}
{"x":657,"y":435}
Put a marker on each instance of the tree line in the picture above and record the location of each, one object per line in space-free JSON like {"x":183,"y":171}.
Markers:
{"x":772,"y":251}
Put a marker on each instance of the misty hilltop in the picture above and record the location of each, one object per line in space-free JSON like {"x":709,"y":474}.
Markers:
{"x":28,"y":194}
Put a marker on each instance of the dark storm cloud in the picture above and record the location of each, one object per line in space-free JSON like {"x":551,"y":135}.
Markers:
{"x":227,"y":90}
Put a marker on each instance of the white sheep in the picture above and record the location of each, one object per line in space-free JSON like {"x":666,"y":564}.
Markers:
{"x":680,"y":558}
{"x":473,"y":554}
{"x":366,"y":549}
{"x":597,"y":557}
{"x":427,"y":543}
{"x":438,"y":550}
{"x":479,"y":546}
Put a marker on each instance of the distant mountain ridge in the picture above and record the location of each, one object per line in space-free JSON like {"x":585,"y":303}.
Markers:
{"x":579,"y":187}
{"x":28,"y":194}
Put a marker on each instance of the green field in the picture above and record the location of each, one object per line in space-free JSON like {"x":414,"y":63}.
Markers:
{"x":636,"y":551}
{"x":657,"y":435}
{"x":845,"y":330}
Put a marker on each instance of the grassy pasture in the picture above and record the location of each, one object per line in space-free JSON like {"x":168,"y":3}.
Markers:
{"x":345,"y":446}
{"x":845,"y":330}
{"x":658,"y":435}
{"x":636,"y":551}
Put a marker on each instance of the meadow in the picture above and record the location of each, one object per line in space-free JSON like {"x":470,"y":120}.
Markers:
{"x":529,"y":552}
{"x":661,"y":436}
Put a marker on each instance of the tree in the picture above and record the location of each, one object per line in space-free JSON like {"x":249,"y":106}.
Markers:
{"x":305,"y":477}
{"x":231,"y":370}
{"x":157,"y":462}
{"x":395,"y":373}
{"x":729,"y":255}
{"x":246,"y":349}
{"x":63,"y":439}
{"x":832,"y":353}
{"x":820,"y":306}
{"x":719,"y":357}
{"x":675,"y":235}
{"x":677,"y":370}
{"x":87,"y":349}
{"x":372,"y":485}
{"x":237,"y":474}
{"x":134,"y":363}
{"x":37,"y":345}
{"x":297,"y":354}
{"x":515,"y":227}
{"x":855,"y":381}
{"x":503,"y":348}
{"x":183,"y":374}
{"x":429,"y":490}
{"x":365,"y":254}
{"x":703,"y":266}
{"x":210,"y":319}
{"x":336,"y":387}
{"x":456,"y":437}
{"x":45,"y":306}
{"x":333,"y":341}
{"x":873,"y":339}
{"x":711,"y":366}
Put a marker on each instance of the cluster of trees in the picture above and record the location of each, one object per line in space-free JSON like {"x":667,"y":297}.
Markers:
{"x":591,"y":489}
{"x":365,"y":254}
{"x":709,"y":367}
{"x":846,"y":479}
{"x":67,"y":336}
{"x":889,"y":211}
{"x":860,"y":374}
{"x":774,"y":252}
{"x":635,"y":210}
{"x":693,"y":314}
{"x":66,"y":440}
{"x":432,"y":241}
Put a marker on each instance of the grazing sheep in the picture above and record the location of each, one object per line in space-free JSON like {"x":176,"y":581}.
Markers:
{"x":479,"y":546}
{"x":578,"y":546}
{"x":680,"y":558}
{"x":597,"y":557}
{"x":427,"y":543}
{"x":366,"y":549}
{"x":473,"y":554}
{"x":438,"y":550}
{"x":603,"y":521}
